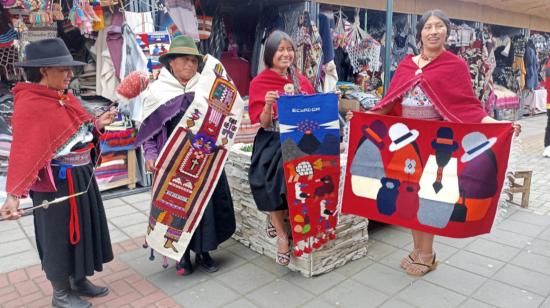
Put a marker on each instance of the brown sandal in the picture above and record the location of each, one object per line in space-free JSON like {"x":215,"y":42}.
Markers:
{"x":282,"y":258}
{"x":408,"y":260}
{"x":418,"y":268}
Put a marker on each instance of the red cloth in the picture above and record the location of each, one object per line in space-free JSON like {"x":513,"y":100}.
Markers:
{"x":447,"y":83}
{"x":269,"y":80}
{"x":547,"y":84}
{"x":40,"y":126}
{"x":239,"y":70}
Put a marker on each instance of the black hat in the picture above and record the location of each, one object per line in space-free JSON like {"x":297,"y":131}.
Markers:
{"x":444,"y":140}
{"x":48,"y":53}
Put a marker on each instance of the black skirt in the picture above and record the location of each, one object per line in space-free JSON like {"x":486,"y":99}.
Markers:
{"x":266,"y":175}
{"x":60,"y":259}
{"x":218,"y":221}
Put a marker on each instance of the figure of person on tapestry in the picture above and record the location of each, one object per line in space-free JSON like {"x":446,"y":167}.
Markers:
{"x":266,"y":174}
{"x":165,"y":103}
{"x":53,"y":159}
{"x":421,"y":89}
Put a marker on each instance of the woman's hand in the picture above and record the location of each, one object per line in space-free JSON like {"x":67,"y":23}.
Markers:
{"x":349,"y":115}
{"x":105,"y":119}
{"x":10,"y":210}
{"x":271,"y":97}
{"x":150,"y":165}
{"x":517,"y":128}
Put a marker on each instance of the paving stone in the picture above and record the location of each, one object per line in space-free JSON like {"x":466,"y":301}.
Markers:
{"x":520,"y":227}
{"x":425,"y":294}
{"x":531,"y":218}
{"x":354,"y":294}
{"x":384,"y":279}
{"x":241,"y":303}
{"x":142,"y":206}
{"x":171,"y":283}
{"x":107,"y":204}
{"x":393,"y":260}
{"x":269,"y":265}
{"x":395,"y":303}
{"x":281,"y":292}
{"x":471,"y":303}
{"x":147,"y":268}
{"x":378,"y":250}
{"x":205,"y":295}
{"x":133,"y":254}
{"x":503,"y":295}
{"x":533,"y":262}
{"x":545,"y":235}
{"x":391,"y":236}
{"x":493,"y":249}
{"x":26,"y":221}
{"x":12,"y":235}
{"x":540,"y":247}
{"x":246,"y":278}
{"x":135,"y":231}
{"x":455,"y":279}
{"x":508,"y":238}
{"x":117,"y":236}
{"x":475,"y":263}
{"x":226,"y":260}
{"x":29,"y":230}
{"x":243,"y":251}
{"x":354,"y":267}
{"x":525,"y":279}
{"x":455,"y":242}
{"x":129,"y":220}
{"x":8,"y":225}
{"x":231,"y":241}
{"x":20,"y":260}
{"x":118,"y":211}
{"x":546,"y":303}
{"x":14,"y":247}
{"x":131,"y":199}
{"x":318,"y":284}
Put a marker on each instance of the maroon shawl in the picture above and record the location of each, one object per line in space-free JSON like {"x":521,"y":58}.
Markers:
{"x":40,"y":126}
{"x":269,"y":80}
{"x":447,"y":83}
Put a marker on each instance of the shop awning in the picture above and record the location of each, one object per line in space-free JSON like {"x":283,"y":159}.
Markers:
{"x":529,"y":14}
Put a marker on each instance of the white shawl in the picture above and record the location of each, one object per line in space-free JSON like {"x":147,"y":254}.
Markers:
{"x":164,"y":89}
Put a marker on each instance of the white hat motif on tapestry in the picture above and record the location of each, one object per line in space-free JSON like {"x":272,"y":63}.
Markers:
{"x":474,"y":144}
{"x":401,"y":136}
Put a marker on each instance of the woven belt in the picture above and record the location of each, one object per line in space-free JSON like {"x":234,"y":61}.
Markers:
{"x":74,"y":159}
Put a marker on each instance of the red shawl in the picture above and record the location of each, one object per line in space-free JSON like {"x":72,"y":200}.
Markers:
{"x":40,"y":126}
{"x":447,"y":83}
{"x":269,"y":80}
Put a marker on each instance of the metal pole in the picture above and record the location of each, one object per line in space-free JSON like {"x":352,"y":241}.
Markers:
{"x":387,"y":57}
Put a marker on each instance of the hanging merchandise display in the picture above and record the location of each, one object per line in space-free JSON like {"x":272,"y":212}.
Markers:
{"x":308,"y":49}
{"x":184,"y":16}
{"x":204,"y":22}
{"x":153,"y":46}
{"x":363,"y":50}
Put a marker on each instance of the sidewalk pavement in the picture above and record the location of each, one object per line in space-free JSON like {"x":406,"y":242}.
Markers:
{"x":510,"y":267}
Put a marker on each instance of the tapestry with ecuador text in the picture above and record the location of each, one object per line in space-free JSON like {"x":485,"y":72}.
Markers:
{"x":310,"y":143}
{"x":439,"y":177}
{"x":192,"y":160}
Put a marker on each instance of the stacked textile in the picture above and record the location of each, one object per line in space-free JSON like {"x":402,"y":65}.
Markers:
{"x":119,"y":137}
{"x":505,"y":99}
{"x":247,"y":131}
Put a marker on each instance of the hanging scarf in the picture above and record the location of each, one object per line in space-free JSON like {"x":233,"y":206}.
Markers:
{"x":164,"y":89}
{"x":269,"y":80}
{"x":447,"y":83}
{"x":42,"y":123}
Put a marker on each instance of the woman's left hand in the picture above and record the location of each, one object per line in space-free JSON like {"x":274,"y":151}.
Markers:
{"x":517,"y":128}
{"x":105,"y":119}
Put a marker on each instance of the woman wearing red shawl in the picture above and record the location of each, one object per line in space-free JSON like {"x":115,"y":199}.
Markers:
{"x":434,"y":85}
{"x":266,"y":175}
{"x":53,"y":141}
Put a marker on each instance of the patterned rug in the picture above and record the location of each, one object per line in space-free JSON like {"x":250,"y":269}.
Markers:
{"x":192,"y":160}
{"x":438,"y":177}
{"x":310,"y":140}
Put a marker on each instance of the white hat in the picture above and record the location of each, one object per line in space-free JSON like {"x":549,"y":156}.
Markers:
{"x":474,"y":144}
{"x":400,"y":136}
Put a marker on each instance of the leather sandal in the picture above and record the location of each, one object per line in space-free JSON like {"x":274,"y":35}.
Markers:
{"x":406,"y":261}
{"x":282,"y":258}
{"x":270,"y":230}
{"x":419,"y":268}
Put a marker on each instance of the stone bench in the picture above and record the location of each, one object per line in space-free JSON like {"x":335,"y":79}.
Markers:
{"x":351,"y":232}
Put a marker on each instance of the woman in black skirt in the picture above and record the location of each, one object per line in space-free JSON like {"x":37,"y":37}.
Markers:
{"x":52,"y":157}
{"x":266,"y":176}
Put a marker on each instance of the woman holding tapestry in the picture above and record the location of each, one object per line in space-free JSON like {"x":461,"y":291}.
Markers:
{"x":434,"y":85}
{"x":165,"y":104}
{"x":50,"y":158}
{"x":266,"y":176}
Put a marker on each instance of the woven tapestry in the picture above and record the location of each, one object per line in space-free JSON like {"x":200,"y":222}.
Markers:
{"x":438,"y":177}
{"x":192,"y":160}
{"x":310,"y":141}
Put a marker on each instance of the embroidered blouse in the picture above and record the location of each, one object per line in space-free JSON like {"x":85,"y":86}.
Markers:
{"x":417,"y":105}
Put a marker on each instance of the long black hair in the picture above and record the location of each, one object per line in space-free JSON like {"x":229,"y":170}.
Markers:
{"x":422,"y":21}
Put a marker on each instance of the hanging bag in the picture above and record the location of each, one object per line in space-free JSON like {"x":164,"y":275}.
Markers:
{"x":204,"y":22}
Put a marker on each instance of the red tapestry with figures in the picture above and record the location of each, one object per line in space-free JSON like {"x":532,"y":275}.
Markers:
{"x":310,"y":144}
{"x":439,"y":177}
